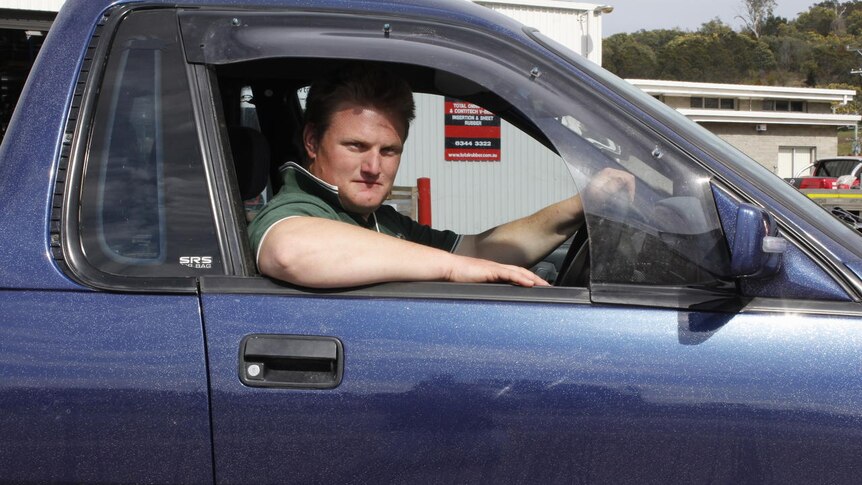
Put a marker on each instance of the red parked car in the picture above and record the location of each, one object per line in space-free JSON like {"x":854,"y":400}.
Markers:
{"x":830,"y":173}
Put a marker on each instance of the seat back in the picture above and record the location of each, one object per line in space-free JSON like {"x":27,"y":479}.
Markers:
{"x":251,"y":158}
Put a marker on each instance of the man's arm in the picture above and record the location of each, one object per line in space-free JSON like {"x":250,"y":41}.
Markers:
{"x":526,"y":241}
{"x":322,"y":253}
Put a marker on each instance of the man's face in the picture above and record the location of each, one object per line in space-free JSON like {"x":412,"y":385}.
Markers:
{"x":359,"y":153}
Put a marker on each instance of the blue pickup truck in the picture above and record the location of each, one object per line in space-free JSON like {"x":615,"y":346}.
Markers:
{"x":708,"y":332}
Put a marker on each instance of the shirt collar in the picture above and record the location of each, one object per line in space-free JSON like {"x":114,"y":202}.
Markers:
{"x":311,"y":183}
{"x":310,"y":176}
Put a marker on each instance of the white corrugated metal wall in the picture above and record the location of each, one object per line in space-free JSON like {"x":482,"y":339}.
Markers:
{"x":469,"y":197}
{"x":575,"y":25}
{"x":43,"y":5}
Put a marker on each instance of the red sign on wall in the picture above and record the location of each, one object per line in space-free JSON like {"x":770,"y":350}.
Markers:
{"x":472,"y":133}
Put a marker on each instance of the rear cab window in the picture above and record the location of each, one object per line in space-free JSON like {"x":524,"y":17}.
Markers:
{"x":145,"y":208}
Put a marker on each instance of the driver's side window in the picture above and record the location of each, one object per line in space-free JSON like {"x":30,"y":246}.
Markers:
{"x":492,"y":157}
{"x":483,"y":170}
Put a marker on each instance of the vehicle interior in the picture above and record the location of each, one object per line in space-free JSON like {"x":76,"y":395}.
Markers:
{"x":262,"y":116}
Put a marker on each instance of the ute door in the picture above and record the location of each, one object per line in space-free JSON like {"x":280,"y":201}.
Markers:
{"x":649,"y":361}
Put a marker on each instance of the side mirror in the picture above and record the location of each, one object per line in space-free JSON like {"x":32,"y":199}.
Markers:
{"x":756,"y":247}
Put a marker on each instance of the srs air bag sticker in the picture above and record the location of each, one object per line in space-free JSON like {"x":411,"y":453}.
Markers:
{"x":205,"y":262}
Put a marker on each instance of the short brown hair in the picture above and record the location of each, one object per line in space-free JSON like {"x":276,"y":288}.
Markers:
{"x":363,"y":84}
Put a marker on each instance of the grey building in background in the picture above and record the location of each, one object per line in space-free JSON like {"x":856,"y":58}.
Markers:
{"x":783,"y":128}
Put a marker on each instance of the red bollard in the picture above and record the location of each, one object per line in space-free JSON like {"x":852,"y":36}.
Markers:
{"x":424,"y":186}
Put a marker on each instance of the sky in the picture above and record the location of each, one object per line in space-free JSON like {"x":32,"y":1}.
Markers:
{"x":634,"y":15}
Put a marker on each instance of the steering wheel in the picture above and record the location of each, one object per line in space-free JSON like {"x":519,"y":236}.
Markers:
{"x":612,"y":230}
{"x":574,"y":270}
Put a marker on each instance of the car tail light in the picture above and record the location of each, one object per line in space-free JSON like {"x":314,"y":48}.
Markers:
{"x":818,"y":183}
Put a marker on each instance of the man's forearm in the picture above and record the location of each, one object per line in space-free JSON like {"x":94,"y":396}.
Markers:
{"x":526,"y":241}
{"x":322,"y":253}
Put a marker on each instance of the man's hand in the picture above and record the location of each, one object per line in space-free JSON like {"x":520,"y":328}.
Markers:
{"x":610,"y":186}
{"x":475,"y":270}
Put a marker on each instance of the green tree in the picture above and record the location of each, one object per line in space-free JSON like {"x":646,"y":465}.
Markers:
{"x":773,"y":25}
{"x":754,"y":15}
{"x":817,"y":19}
{"x":854,"y":23}
{"x":715,"y":27}
{"x":764,"y":59}
{"x":656,"y":39}
{"x":833,"y":61}
{"x":624,"y":56}
{"x":790,"y":51}
{"x":811,"y":50}
{"x":723,"y":57}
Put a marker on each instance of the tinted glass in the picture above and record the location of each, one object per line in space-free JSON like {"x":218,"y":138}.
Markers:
{"x":669,"y":232}
{"x":835,"y":168}
{"x":145,"y":207}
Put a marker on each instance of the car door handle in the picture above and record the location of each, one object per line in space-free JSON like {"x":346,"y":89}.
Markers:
{"x":297,"y":361}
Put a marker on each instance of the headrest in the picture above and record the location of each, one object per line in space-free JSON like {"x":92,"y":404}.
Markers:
{"x":251,"y":159}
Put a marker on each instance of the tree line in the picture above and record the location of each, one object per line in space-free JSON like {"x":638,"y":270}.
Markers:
{"x":819,"y":48}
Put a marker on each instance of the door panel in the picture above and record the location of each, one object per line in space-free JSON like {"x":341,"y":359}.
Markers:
{"x":102,"y":388}
{"x":465,"y":391}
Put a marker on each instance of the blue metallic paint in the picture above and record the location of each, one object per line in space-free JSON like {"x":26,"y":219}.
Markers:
{"x":856,"y":267}
{"x":30,"y":150}
{"x":799,"y":276}
{"x":497,"y":392}
{"x":101,"y":387}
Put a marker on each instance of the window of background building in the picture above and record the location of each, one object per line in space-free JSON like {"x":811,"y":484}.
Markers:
{"x":698,"y":102}
{"x":783,"y":105}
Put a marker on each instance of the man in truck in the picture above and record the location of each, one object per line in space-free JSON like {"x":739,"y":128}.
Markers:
{"x":328,"y":227}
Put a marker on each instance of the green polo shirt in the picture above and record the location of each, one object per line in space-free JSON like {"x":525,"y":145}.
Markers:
{"x":303,"y":194}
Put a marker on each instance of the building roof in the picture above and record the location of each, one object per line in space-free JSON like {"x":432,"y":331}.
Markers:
{"x":771,"y":117}
{"x":742,"y":91}
{"x":556,"y":4}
